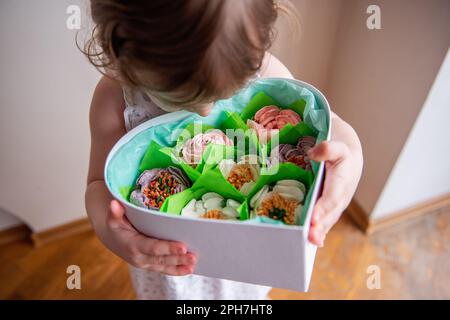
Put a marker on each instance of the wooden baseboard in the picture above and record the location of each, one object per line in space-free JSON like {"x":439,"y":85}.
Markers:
{"x":370,"y":226}
{"x":57,"y":233}
{"x":16,"y":233}
{"x":407,"y":214}
{"x":358,"y":215}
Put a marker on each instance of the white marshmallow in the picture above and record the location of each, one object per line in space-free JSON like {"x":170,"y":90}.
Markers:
{"x":289,"y":192}
{"x":246,"y":188}
{"x":225,"y":167}
{"x":190,"y":209}
{"x":233,"y":203}
{"x":292,"y":183}
{"x":210,"y":195}
{"x":230,"y":212}
{"x":257,"y":198}
{"x":213,"y":204}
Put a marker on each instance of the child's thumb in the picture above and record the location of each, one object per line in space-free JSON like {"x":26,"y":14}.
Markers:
{"x":117,"y":210}
{"x":332,"y":151}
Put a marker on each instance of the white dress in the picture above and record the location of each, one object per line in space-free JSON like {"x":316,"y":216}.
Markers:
{"x":151,"y":285}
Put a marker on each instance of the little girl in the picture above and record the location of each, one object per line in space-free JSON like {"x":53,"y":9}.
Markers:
{"x":160,"y":56}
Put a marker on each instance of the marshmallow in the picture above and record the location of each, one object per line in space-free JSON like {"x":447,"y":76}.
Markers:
{"x":241,"y":175}
{"x":212,"y":206}
{"x":192,"y":149}
{"x":281,"y":202}
{"x":155,"y":185}
{"x":271,"y":118}
{"x":295,"y":154}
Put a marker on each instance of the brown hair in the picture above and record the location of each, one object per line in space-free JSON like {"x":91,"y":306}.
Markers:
{"x":184,"y":52}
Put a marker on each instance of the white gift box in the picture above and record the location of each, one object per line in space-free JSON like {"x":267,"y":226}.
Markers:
{"x":265,"y":254}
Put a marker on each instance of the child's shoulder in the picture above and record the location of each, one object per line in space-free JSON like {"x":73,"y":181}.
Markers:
{"x":108,"y":92}
{"x":107,"y":105}
{"x":273,"y":68}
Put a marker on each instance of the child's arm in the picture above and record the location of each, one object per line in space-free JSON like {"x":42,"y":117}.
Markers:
{"x":108,"y":216}
{"x":344,"y":162}
{"x":343,"y":168}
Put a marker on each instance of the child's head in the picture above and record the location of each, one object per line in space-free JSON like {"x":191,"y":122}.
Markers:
{"x":183,"y":53}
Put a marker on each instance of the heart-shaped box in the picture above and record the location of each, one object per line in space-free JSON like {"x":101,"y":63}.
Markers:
{"x":265,"y":254}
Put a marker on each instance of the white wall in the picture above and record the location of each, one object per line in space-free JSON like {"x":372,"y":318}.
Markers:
{"x":309,"y":53}
{"x":422,"y":171}
{"x":8,"y":220}
{"x":379,"y":79}
{"x":45,"y":91}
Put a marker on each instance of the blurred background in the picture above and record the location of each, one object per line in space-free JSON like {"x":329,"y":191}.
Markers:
{"x":392,"y":85}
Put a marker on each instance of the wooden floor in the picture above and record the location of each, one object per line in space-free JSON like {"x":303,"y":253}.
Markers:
{"x":414,"y":260}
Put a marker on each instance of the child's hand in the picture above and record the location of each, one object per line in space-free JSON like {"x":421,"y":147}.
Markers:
{"x":343,"y":166}
{"x":167,"y":257}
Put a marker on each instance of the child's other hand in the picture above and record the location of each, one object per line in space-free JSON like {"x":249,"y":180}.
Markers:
{"x":167,"y":257}
{"x":343,"y":166}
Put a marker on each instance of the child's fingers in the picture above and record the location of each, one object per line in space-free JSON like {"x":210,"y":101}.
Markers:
{"x":187,"y":259}
{"x":156,"y":247}
{"x":335,"y":194}
{"x":159,"y":263}
{"x":171,"y":265}
{"x":178,"y":270}
{"x":326,"y":212}
{"x":333,"y":198}
{"x":332,"y":151}
{"x":172,"y":260}
{"x":319,"y":230}
{"x":316,"y":235}
{"x":329,"y":204}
